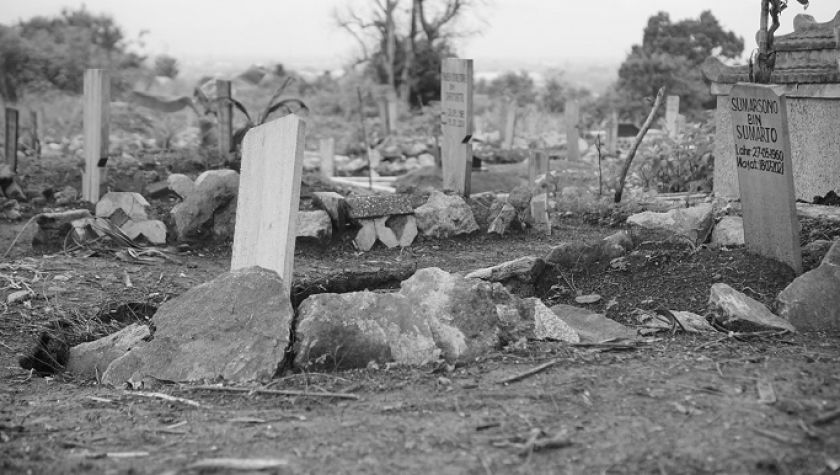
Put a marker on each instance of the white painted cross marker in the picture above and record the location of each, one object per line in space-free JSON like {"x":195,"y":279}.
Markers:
{"x":269,"y":195}
{"x":765,"y":174}
{"x":97,"y":91}
{"x":457,"y":122}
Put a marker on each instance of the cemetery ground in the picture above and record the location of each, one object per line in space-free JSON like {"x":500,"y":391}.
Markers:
{"x":676,"y":404}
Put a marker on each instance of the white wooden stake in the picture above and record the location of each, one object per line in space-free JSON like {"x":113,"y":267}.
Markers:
{"x":97,"y":91}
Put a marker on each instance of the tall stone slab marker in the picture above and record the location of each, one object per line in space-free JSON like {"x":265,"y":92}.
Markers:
{"x":457,"y":123}
{"x":223,"y":95}
{"x":269,"y":195}
{"x":765,"y":173}
{"x":672,"y":114}
{"x":572,"y":118}
{"x":537,"y":165}
{"x":11,"y":137}
{"x":97,"y":94}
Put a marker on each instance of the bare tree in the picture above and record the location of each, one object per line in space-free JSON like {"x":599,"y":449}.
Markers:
{"x":770,"y":9}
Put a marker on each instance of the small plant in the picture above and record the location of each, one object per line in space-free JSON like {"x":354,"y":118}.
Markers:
{"x":681,"y":164}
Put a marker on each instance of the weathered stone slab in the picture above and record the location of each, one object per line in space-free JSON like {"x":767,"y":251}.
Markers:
{"x":151,"y":230}
{"x":592,"y":327}
{"x":502,"y":222}
{"x":213,"y":190}
{"x":133,"y":204}
{"x":360,"y":207}
{"x":180,"y":184}
{"x":729,"y":232}
{"x":235,"y":326}
{"x":693,"y":223}
{"x":738,"y":312}
{"x":445,"y":216}
{"x":812,"y":301}
{"x":366,"y":236}
{"x":341,"y":331}
{"x":315,"y":225}
{"x":527,"y":268}
{"x":91,"y":359}
{"x":765,"y":173}
{"x":547,"y":325}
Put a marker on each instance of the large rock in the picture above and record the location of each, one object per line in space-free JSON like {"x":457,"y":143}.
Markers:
{"x":812,"y":301}
{"x":92,"y":359}
{"x":729,"y":232}
{"x":694,"y":223}
{"x":315,"y":225}
{"x":339,"y":331}
{"x":180,"y":184}
{"x":502,"y":222}
{"x":738,"y":312}
{"x":467,"y":317}
{"x":547,"y":324}
{"x":445,"y":216}
{"x":151,"y":230}
{"x":592,"y":327}
{"x":236,"y":326}
{"x":132,"y":204}
{"x":213,"y":190}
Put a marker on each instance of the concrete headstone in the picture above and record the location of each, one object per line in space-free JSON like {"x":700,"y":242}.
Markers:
{"x":457,"y":123}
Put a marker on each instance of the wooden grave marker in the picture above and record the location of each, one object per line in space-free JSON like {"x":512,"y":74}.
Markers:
{"x":672,"y":113}
{"x":537,"y":165}
{"x":510,"y":124}
{"x":393,"y":112}
{"x":11,"y":138}
{"x":223,"y":95}
{"x":327,"y":157}
{"x":34,"y":135}
{"x":97,"y":96}
{"x":572,"y":116}
{"x":457,"y":124}
{"x":765,"y":173}
{"x":612,"y":134}
{"x":269,"y":195}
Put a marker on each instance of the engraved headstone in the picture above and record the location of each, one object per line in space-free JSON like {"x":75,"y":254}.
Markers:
{"x":765,"y":173}
{"x":457,"y":124}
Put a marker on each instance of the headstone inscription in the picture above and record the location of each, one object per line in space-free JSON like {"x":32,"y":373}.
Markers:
{"x":269,"y":195}
{"x":457,"y":123}
{"x":765,"y":173}
{"x":97,"y":94}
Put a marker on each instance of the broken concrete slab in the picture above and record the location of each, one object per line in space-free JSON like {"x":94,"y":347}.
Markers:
{"x":91,"y":359}
{"x":343,"y":331}
{"x":738,"y":312}
{"x":180,"y":184}
{"x":360,"y":207}
{"x":592,"y":327}
{"x":151,"y":230}
{"x":729,"y":232}
{"x":235,"y":326}
{"x":812,"y":301}
{"x":693,"y":223}
{"x":315,"y":225}
{"x":335,"y":205}
{"x":445,"y":216}
{"x":132,"y":204}
{"x":396,"y":230}
{"x":213,"y":190}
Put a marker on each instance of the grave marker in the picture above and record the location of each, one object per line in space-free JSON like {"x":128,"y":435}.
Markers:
{"x":572,"y":133}
{"x":393,"y":112}
{"x":11,"y":137}
{"x":327,"y":157}
{"x":269,"y":195}
{"x":33,"y":133}
{"x":510,"y":125}
{"x":225,"y":118}
{"x":537,"y":165}
{"x":765,"y":173}
{"x":382,"y":103}
{"x":97,"y":94}
{"x":672,"y":112}
{"x":457,"y":123}
{"x":612,"y":133}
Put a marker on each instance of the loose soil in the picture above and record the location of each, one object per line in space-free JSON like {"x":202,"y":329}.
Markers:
{"x":682,"y":404}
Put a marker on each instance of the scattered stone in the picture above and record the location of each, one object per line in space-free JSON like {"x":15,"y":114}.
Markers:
{"x":694,"y":223}
{"x":66,"y":196}
{"x":314,"y":225}
{"x":616,"y":245}
{"x":213,"y":190}
{"x":503,"y":220}
{"x":812,"y":301}
{"x":334,"y":204}
{"x":738,"y":312}
{"x":366,"y":236}
{"x":694,"y":323}
{"x":152,"y":230}
{"x":373,"y":206}
{"x":426,"y":160}
{"x":342,"y":331}
{"x":729,"y":232}
{"x":224,"y":220}
{"x":181,"y":185}
{"x":19,"y":296}
{"x":547,"y":325}
{"x":592,"y":327}
{"x":570,"y":254}
{"x":54,"y":227}
{"x":236,"y":326}
{"x":539,"y":213}
{"x":527,"y":268}
{"x":398,"y":230}
{"x":817,"y":249}
{"x":91,"y":359}
{"x":520,"y":197}
{"x":132,"y":204}
{"x":588,"y":299}
{"x":445,"y":216}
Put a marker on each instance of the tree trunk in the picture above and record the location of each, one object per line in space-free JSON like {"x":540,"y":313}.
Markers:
{"x":641,"y":135}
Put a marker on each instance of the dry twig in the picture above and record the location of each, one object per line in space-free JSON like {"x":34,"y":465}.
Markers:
{"x":277,"y":392}
{"x":530,"y":372}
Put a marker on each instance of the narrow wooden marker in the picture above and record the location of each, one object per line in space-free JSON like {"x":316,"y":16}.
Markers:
{"x":537,"y":165}
{"x":457,"y":124}
{"x":612,"y":133}
{"x":97,"y":115}
{"x":269,"y":195}
{"x":672,"y":113}
{"x":11,"y":137}
{"x":393,"y":112}
{"x":382,"y":103}
{"x":765,"y":173}
{"x":34,"y":135}
{"x":327,"y":157}
{"x":225,"y":118}
{"x":510,"y":125}
{"x":572,"y":132}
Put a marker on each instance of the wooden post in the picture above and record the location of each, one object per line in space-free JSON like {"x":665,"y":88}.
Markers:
{"x":11,"y":137}
{"x":612,"y":133}
{"x":537,"y":165}
{"x":457,"y":123}
{"x":225,"y":118}
{"x":327,"y":158}
{"x":510,"y":125}
{"x":672,"y":112}
{"x":393,"y":112}
{"x":97,"y":114}
{"x":382,"y":102}
{"x":269,"y":196}
{"x":34,"y":135}
{"x":572,"y":133}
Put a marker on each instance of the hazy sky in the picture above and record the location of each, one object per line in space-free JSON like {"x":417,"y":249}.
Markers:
{"x":293,"y":30}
